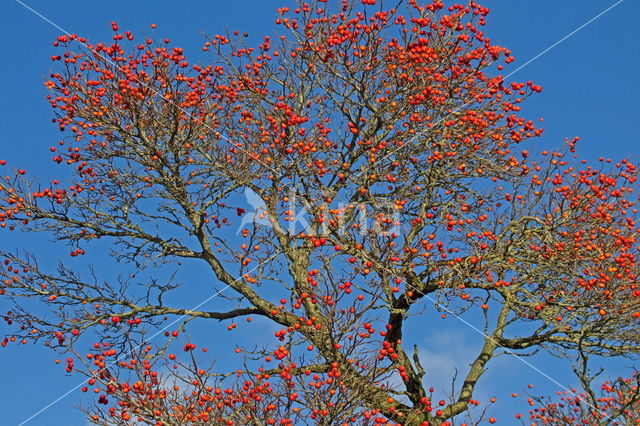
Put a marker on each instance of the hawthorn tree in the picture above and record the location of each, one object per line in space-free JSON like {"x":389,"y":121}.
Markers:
{"x":384,"y":155}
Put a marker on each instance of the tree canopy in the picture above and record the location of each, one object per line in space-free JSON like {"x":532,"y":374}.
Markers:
{"x":366,"y":165}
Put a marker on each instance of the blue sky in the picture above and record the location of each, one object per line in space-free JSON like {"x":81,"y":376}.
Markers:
{"x":590,"y":90}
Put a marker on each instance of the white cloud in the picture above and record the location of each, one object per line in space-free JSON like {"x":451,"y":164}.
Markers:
{"x":443,"y":353}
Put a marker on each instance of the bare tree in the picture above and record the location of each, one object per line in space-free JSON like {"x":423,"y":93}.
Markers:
{"x":381,"y":146}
